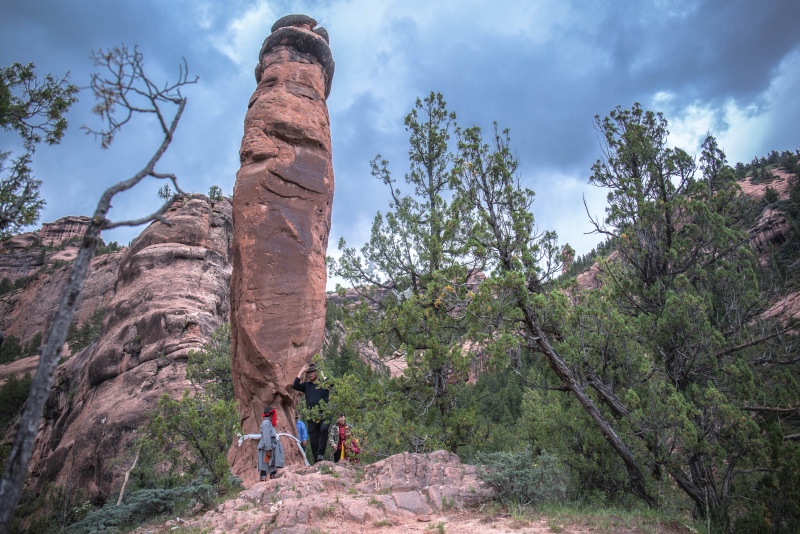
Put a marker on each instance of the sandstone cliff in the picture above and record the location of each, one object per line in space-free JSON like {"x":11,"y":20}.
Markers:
{"x":22,"y":255}
{"x":163,"y":296}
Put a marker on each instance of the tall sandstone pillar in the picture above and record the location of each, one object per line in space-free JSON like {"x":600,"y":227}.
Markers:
{"x":281,"y":219}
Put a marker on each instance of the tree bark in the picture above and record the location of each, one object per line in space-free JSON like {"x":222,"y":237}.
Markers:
{"x":571,"y":382}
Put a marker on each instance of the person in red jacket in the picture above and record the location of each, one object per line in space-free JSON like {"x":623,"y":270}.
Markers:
{"x":345,"y":445}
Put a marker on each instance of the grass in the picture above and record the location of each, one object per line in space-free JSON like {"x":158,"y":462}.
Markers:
{"x":599,"y":518}
{"x":604,"y":518}
{"x":385,"y":522}
{"x":327,"y":510}
{"x":328,"y":470}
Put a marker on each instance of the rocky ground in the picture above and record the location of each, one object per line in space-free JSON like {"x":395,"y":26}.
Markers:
{"x":433,"y":493}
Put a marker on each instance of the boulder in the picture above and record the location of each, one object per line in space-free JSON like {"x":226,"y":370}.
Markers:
{"x":404,"y":488}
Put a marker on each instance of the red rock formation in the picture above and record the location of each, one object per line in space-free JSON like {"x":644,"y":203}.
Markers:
{"x":404,"y":488}
{"x":281,"y":213}
{"x":170,"y":292}
{"x":64,"y":229}
{"x":21,"y":255}
{"x":45,"y":256}
{"x":24,"y":313}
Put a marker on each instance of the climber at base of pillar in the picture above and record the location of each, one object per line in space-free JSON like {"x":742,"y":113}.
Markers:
{"x":270,"y":450}
{"x":317,"y":429}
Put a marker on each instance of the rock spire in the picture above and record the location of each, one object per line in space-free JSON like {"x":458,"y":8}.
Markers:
{"x":281,"y":213}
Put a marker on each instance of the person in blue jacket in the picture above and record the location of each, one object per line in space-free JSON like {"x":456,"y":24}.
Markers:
{"x":317,"y":430}
{"x":302,"y":431}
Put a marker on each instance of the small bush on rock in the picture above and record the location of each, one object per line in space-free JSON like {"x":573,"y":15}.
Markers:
{"x":523,"y":477}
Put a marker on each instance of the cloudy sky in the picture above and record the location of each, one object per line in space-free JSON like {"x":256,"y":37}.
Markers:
{"x":543,"y":69}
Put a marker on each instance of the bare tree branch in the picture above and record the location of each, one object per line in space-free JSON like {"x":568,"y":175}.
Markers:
{"x":127,"y":79}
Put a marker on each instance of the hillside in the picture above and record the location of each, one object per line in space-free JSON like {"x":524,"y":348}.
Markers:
{"x":163,"y":296}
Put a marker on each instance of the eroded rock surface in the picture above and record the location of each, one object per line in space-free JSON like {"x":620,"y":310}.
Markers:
{"x":330,"y":497}
{"x":170,"y":293}
{"x":282,"y":213}
{"x":23,"y":254}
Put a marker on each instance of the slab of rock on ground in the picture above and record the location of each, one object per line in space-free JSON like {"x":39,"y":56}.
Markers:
{"x":418,"y":489}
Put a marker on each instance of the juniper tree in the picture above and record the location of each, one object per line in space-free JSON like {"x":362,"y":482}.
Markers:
{"x":670,"y":363}
{"x":412,"y":276}
{"x":34,"y":109}
{"x":687,"y":278}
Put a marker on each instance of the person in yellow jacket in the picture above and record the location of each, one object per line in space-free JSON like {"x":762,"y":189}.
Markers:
{"x":345,"y":445}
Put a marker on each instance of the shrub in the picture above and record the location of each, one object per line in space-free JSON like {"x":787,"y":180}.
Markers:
{"x":523,"y":477}
{"x":144,"y":505}
{"x":34,"y":344}
{"x":215,"y":193}
{"x":107,"y":249}
{"x":13,"y":395}
{"x":211,"y":366}
{"x":82,"y":336}
{"x":11,"y":350}
{"x":770,"y":195}
{"x":189,"y":436}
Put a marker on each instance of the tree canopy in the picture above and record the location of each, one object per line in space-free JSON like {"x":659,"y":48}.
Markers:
{"x":35,"y":109}
{"x":667,"y":375}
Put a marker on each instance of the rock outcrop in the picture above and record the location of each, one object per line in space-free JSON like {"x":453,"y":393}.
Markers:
{"x":22,"y":255}
{"x":170,"y":292}
{"x":42,"y":259}
{"x":281,"y":213}
{"x":330,"y":497}
{"x":64,"y":229}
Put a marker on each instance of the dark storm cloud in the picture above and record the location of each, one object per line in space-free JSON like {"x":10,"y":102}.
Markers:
{"x":542,"y":69}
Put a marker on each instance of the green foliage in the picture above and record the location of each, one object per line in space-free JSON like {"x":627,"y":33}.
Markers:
{"x":7,"y":286}
{"x":665,"y":380}
{"x":776,"y":492}
{"x":414,"y":256}
{"x":674,"y":350}
{"x":583,"y":263}
{"x":188,"y":438}
{"x":33,"y":346}
{"x":165,"y":193}
{"x":13,"y":394}
{"x":112,"y":247}
{"x":523,"y":477}
{"x":34,"y":109}
{"x":11,"y":350}
{"x":770,"y":195}
{"x":497,"y":400}
{"x":341,"y":356}
{"x":145,"y":505}
{"x":215,"y":193}
{"x":19,"y":195}
{"x":79,"y":337}
{"x":211,"y":367}
{"x":50,"y":510}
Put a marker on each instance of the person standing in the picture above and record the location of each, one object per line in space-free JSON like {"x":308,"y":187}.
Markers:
{"x":302,"y":432}
{"x":317,"y":428}
{"x":345,"y":446}
{"x":270,"y":451}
